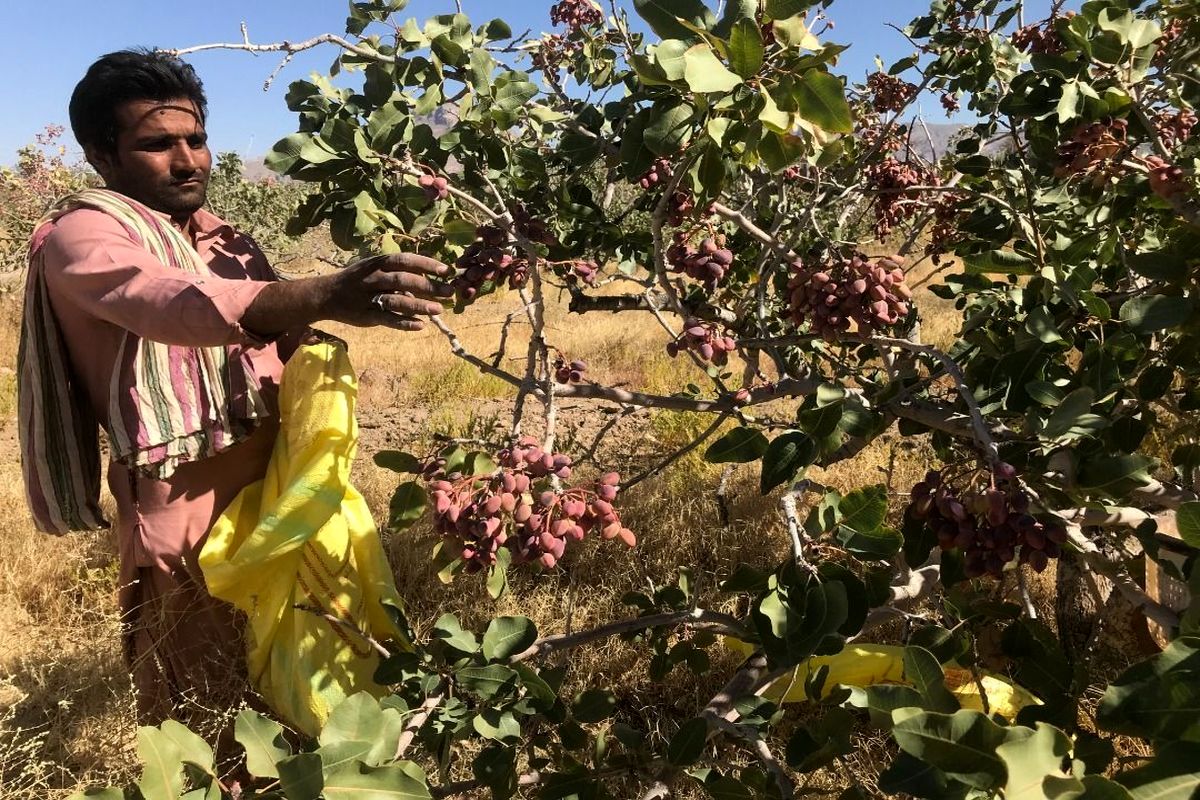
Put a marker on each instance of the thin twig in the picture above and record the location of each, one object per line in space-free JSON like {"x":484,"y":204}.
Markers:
{"x":417,"y":721}
{"x":698,"y":617}
{"x":286,"y":47}
{"x":349,"y":626}
{"x":678,"y":454}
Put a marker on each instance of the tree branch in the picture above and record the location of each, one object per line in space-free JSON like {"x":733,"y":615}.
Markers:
{"x":697,"y":617}
{"x":417,"y":721}
{"x":1119,"y":575}
{"x":285,"y":46}
{"x":655,"y":301}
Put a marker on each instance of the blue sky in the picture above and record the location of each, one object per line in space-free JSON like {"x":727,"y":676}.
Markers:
{"x":51,"y":44}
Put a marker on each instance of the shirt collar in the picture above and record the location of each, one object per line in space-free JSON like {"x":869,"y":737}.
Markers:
{"x":202,"y":225}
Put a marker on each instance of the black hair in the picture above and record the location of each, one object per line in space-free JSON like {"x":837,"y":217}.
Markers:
{"x":123,"y":76}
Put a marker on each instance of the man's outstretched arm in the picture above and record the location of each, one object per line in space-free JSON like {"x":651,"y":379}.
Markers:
{"x":391,"y":291}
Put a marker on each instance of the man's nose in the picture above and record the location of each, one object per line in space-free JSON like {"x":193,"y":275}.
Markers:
{"x":184,"y":159}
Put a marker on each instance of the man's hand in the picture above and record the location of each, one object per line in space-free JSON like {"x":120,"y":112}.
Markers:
{"x":391,"y":291}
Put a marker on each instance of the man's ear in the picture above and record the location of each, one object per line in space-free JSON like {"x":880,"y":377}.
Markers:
{"x":100,"y":160}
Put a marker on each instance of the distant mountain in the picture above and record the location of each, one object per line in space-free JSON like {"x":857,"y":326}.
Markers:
{"x":255,"y":169}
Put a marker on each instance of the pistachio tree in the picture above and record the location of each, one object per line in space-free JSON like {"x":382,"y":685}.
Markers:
{"x":715,"y":167}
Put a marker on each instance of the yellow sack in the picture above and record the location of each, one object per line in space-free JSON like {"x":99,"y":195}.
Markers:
{"x":863,"y":665}
{"x":304,"y":537}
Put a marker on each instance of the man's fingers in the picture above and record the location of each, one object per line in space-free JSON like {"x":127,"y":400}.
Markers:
{"x":400,"y":323}
{"x":411,"y":262}
{"x":408,"y":306}
{"x":413,"y":284}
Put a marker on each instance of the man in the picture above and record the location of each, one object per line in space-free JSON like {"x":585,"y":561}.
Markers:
{"x":159,"y":322}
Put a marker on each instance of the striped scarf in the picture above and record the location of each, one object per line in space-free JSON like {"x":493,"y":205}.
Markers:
{"x":180,"y":404}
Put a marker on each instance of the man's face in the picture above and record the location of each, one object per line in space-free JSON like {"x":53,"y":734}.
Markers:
{"x":161,"y":158}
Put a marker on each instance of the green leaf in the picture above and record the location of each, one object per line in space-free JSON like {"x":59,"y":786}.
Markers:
{"x":397,"y":461}
{"x":1089,"y":787}
{"x":817,"y":744}
{"x":1188,"y":520}
{"x":542,"y":695}
{"x":571,"y":786}
{"x":459,"y":231}
{"x":722,"y":787}
{"x":362,"y":729}
{"x":482,"y":68}
{"x":507,"y":636}
{"x":193,"y":750}
{"x":879,"y":545}
{"x":1068,"y":102}
{"x":497,"y":725}
{"x":785,"y":456}
{"x":925,"y":674}
{"x":1039,"y":663}
{"x":162,"y":770}
{"x":669,"y":129}
{"x":515,"y":94}
{"x":704,"y":72}
{"x":772,"y":116}
{"x":636,"y":158}
{"x":865,"y":509}
{"x":687,"y":744}
{"x":1169,"y":264}
{"x":1004,"y":262}
{"x":735,"y":11}
{"x":594,"y":705}
{"x":908,"y":775}
{"x":1031,"y":760}
{"x":745,"y":48}
{"x":668,"y":55}
{"x":1041,"y":323}
{"x":782,"y":9}
{"x":710,"y":172}
{"x":821,"y":99}
{"x":976,"y":165}
{"x":486,"y":681}
{"x":663,"y":17}
{"x":1155,"y":381}
{"x":1073,"y":418}
{"x":962,"y":744}
{"x":449,"y":630}
{"x":794,"y":32}
{"x":1172,"y":775}
{"x":497,"y":30}
{"x":1149,"y":314}
{"x":404,"y":781}
{"x":1158,"y":698}
{"x":285,"y":154}
{"x":497,"y":581}
{"x":408,"y":504}
{"x":1115,"y":475}
{"x":495,"y":769}
{"x":300,"y":776}
{"x":738,"y":446}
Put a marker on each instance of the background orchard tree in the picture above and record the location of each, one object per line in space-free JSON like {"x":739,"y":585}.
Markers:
{"x":721,"y":176}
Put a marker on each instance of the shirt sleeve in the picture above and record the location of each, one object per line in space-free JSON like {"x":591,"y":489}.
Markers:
{"x":93,"y":265}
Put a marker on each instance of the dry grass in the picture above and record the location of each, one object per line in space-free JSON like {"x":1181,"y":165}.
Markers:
{"x":66,"y":705}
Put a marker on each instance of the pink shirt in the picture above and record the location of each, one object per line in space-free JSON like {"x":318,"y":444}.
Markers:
{"x":102,"y":283}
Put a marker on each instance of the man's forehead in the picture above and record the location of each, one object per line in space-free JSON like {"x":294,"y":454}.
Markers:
{"x":158,"y":114}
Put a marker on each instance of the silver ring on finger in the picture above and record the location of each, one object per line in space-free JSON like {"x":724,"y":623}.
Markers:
{"x":377,"y":301}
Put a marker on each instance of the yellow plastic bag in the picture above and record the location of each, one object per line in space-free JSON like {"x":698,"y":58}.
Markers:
{"x":301,"y":541}
{"x":864,"y":665}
